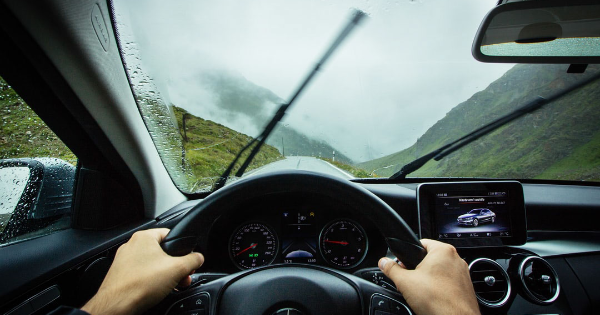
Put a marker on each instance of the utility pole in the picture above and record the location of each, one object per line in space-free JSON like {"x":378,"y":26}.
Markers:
{"x":334,"y":156}
{"x":283,"y":146}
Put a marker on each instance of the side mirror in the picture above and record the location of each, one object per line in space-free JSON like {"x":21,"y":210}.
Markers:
{"x":552,"y":31}
{"x":35,"y":193}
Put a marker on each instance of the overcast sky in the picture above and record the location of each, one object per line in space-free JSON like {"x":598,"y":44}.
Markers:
{"x":401,"y":70}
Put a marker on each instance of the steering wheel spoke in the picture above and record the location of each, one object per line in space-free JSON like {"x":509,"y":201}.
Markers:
{"x":378,"y":300}
{"x":197,"y":300}
{"x":277,"y":289}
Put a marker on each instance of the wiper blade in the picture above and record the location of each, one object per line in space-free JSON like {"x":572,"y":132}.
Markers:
{"x":447,"y":149}
{"x":357,"y":16}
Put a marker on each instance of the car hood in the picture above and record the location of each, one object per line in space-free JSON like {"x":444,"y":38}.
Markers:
{"x":468,"y":215}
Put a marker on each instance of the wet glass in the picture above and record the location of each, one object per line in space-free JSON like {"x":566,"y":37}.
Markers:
{"x":25,"y":210}
{"x":208,"y":76}
{"x":12,"y":183}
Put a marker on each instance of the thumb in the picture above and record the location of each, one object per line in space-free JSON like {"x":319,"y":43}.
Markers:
{"x":395,"y":272}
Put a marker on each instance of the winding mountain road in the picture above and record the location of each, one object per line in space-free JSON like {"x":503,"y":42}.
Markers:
{"x":301,"y":163}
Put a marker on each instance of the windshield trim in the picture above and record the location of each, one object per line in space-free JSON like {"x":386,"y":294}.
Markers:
{"x":419,"y":180}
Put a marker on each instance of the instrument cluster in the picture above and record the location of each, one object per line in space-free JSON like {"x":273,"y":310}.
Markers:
{"x":305,"y":235}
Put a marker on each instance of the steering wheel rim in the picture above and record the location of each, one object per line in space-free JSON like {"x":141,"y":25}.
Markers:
{"x":306,"y":289}
{"x":186,"y":236}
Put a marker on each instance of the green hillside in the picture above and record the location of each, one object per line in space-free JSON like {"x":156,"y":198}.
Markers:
{"x":210,"y":147}
{"x":561,"y":141}
{"x":23,"y":133}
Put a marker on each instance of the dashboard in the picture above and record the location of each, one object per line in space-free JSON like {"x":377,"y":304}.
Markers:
{"x":291,"y":229}
{"x":315,"y":230}
{"x":550,"y":273}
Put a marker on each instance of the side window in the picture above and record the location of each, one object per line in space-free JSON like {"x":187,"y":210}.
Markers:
{"x":37,"y":173}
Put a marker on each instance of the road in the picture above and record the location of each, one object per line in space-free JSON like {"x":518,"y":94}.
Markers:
{"x":301,"y":163}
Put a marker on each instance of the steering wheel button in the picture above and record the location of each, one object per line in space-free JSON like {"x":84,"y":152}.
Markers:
{"x":196,"y":302}
{"x":380,"y":303}
{"x":397,"y":308}
{"x":200,"y":301}
{"x":178,"y":308}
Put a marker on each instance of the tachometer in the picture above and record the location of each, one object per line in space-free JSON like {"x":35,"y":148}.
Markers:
{"x":253,"y":245}
{"x":343,"y":244}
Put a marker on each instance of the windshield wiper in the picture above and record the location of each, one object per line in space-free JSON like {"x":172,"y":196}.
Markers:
{"x":357,"y":16}
{"x":445,"y":150}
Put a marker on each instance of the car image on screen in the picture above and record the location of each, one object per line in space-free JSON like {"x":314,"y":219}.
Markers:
{"x":477,"y":216}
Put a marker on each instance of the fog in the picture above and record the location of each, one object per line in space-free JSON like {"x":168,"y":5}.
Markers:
{"x":399,"y":72}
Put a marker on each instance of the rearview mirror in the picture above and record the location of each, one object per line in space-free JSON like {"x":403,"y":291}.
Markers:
{"x":566,"y":32}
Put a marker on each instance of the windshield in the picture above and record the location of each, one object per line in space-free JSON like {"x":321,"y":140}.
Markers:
{"x":208,"y":76}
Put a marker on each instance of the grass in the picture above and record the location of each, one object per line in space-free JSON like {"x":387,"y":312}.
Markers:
{"x":210,"y":147}
{"x":582,"y":164}
{"x":23,"y":134}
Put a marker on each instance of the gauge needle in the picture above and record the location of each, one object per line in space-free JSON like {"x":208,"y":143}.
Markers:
{"x":336,"y":242}
{"x":251,"y":246}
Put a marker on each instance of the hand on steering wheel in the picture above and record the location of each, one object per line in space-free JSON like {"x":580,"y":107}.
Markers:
{"x":141,"y":275}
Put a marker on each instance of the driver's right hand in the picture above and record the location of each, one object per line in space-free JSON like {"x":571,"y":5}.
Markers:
{"x":440,"y":284}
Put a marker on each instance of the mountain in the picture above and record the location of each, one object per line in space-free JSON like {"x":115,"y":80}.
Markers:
{"x":236,"y":97}
{"x":560,"y":141}
{"x":210,"y":147}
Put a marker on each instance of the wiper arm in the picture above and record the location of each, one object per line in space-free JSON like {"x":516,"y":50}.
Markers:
{"x":356,"y":18}
{"x":445,"y":150}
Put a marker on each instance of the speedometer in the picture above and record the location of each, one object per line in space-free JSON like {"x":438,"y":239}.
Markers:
{"x":253,"y":245}
{"x":343,"y":244}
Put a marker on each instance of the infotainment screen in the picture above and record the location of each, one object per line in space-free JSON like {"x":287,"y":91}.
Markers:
{"x":473,"y":213}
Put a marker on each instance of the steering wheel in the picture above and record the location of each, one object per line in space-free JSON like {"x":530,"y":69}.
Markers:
{"x":289,"y":288}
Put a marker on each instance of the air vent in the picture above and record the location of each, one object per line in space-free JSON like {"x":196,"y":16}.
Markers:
{"x":490,"y":281}
{"x":539,"y":280}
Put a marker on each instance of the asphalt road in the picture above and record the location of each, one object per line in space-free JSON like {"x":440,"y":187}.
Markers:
{"x":301,"y":163}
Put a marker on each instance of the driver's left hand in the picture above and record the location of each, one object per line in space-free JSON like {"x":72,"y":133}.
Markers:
{"x":142,"y":275}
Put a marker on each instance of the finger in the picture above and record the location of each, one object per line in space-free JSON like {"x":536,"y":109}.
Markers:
{"x":158,"y":234}
{"x":437,"y":247}
{"x":427,"y":242}
{"x":393,"y":271}
{"x":185,"y":282}
{"x":431,"y":245}
{"x":192,"y":261}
